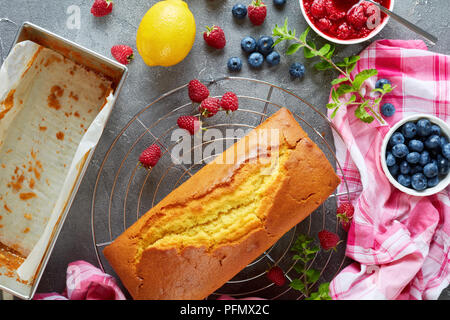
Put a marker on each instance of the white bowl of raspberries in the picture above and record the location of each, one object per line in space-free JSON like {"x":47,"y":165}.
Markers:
{"x":345,"y":21}
{"x":415,"y":155}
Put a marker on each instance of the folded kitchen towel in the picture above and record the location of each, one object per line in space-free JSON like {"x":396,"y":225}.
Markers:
{"x":400,"y":243}
{"x":86,"y":282}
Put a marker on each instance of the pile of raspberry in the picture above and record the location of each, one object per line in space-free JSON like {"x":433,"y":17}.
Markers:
{"x":338,"y":23}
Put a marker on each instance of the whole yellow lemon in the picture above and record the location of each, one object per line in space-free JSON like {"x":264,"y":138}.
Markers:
{"x":166,"y":33}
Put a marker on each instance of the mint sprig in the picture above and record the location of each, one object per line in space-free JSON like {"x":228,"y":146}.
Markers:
{"x":305,"y":251}
{"x":368,"y":109}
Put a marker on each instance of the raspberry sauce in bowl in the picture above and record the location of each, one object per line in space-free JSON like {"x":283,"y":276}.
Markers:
{"x":345,"y":21}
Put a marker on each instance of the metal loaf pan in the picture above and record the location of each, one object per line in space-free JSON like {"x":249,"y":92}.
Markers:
{"x":114,"y":71}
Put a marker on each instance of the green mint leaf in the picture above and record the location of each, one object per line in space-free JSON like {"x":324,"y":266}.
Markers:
{"x":363,"y":76}
{"x":330,"y":52}
{"x":334,"y":112}
{"x":323,"y":65}
{"x":297,"y":284}
{"x":312,"y":275}
{"x":335,"y":96}
{"x":324,"y":50}
{"x":344,"y":89}
{"x":352,"y":99}
{"x":304,"y":35}
{"x":338,"y":80}
{"x":362,"y":114}
{"x":293,"y":48}
{"x":310,"y":53}
{"x":353,"y":59}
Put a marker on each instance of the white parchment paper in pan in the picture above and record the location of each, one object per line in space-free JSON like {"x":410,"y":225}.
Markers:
{"x":52,"y":114}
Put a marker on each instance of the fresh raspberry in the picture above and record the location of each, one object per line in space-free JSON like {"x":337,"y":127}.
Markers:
{"x":102,"y":8}
{"x":276,"y":275}
{"x":197,"y":91}
{"x":328,"y":240}
{"x":257,"y":12}
{"x":332,"y":12}
{"x":215,"y":37}
{"x":209,"y":107}
{"x":150,"y":156}
{"x":318,"y":8}
{"x":344,"y":31}
{"x":324,"y":24}
{"x":345,"y":214}
{"x":189,"y":123}
{"x":229,"y":102}
{"x":356,"y":17}
{"x":122,"y":53}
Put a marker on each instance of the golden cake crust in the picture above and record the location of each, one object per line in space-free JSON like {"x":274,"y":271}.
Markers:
{"x":195,"y":271}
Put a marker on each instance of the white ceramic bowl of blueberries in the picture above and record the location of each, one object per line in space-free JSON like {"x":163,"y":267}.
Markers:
{"x":415,"y":155}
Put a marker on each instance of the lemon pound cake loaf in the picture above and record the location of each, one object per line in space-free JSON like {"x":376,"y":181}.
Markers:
{"x":226,"y":215}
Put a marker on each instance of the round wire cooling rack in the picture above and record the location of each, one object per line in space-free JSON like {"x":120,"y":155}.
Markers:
{"x":123,"y":191}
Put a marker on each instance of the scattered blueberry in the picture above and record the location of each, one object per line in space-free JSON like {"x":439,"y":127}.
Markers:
{"x":390,"y":159}
{"x":415,"y":145}
{"x":443,"y":165}
{"x":248,"y":44}
{"x":265,"y":45}
{"x":394,"y":170}
{"x":297,"y":70}
{"x":388,"y":109}
{"x":424,"y":158}
{"x":396,"y":138}
{"x":413,"y":157}
{"x":239,"y":10}
{"x":404,"y":180}
{"x":256,"y":60}
{"x":279,"y":2}
{"x":400,"y":150}
{"x":380,"y":83}
{"x":446,"y":150}
{"x":234,"y":64}
{"x":404,"y":167}
{"x":424,"y":127}
{"x":433,"y":142}
{"x":430,"y":170}
{"x":433,"y":182}
{"x":435,"y":129}
{"x":273,"y":58}
{"x":409,"y":130}
{"x":419,"y":181}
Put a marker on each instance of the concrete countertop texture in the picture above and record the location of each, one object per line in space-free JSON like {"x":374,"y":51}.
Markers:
{"x":144,"y":84}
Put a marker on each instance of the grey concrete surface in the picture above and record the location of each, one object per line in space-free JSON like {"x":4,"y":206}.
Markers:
{"x":144,"y":84}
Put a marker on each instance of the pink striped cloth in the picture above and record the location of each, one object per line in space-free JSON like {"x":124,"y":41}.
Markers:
{"x":400,"y":243}
{"x":85,"y":282}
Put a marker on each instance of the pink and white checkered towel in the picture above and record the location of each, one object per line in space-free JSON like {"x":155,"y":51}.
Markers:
{"x":400,"y":243}
{"x":86,"y":282}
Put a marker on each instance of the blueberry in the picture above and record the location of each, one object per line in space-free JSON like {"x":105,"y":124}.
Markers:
{"x":416,"y":169}
{"x":424,"y":158}
{"x":380,"y":83}
{"x":446,"y":150}
{"x":404,"y":180}
{"x":256,"y":60}
{"x":415,"y":145}
{"x":279,"y":2}
{"x":435,"y":129}
{"x":234,"y":64}
{"x":419,"y":181}
{"x":433,"y":142}
{"x":273,"y":58}
{"x":433,"y":182}
{"x":396,"y":138}
{"x":444,"y":141}
{"x":297,"y":70}
{"x":239,"y":11}
{"x":388,"y":109}
{"x":424,"y":127}
{"x":390,"y":159}
{"x":400,"y":150}
{"x":265,"y":45}
{"x":394,"y":170}
{"x":248,"y":44}
{"x":404,"y":167}
{"x":443,"y":165}
{"x":430,"y":170}
{"x":413,"y":157}
{"x":409,"y":130}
